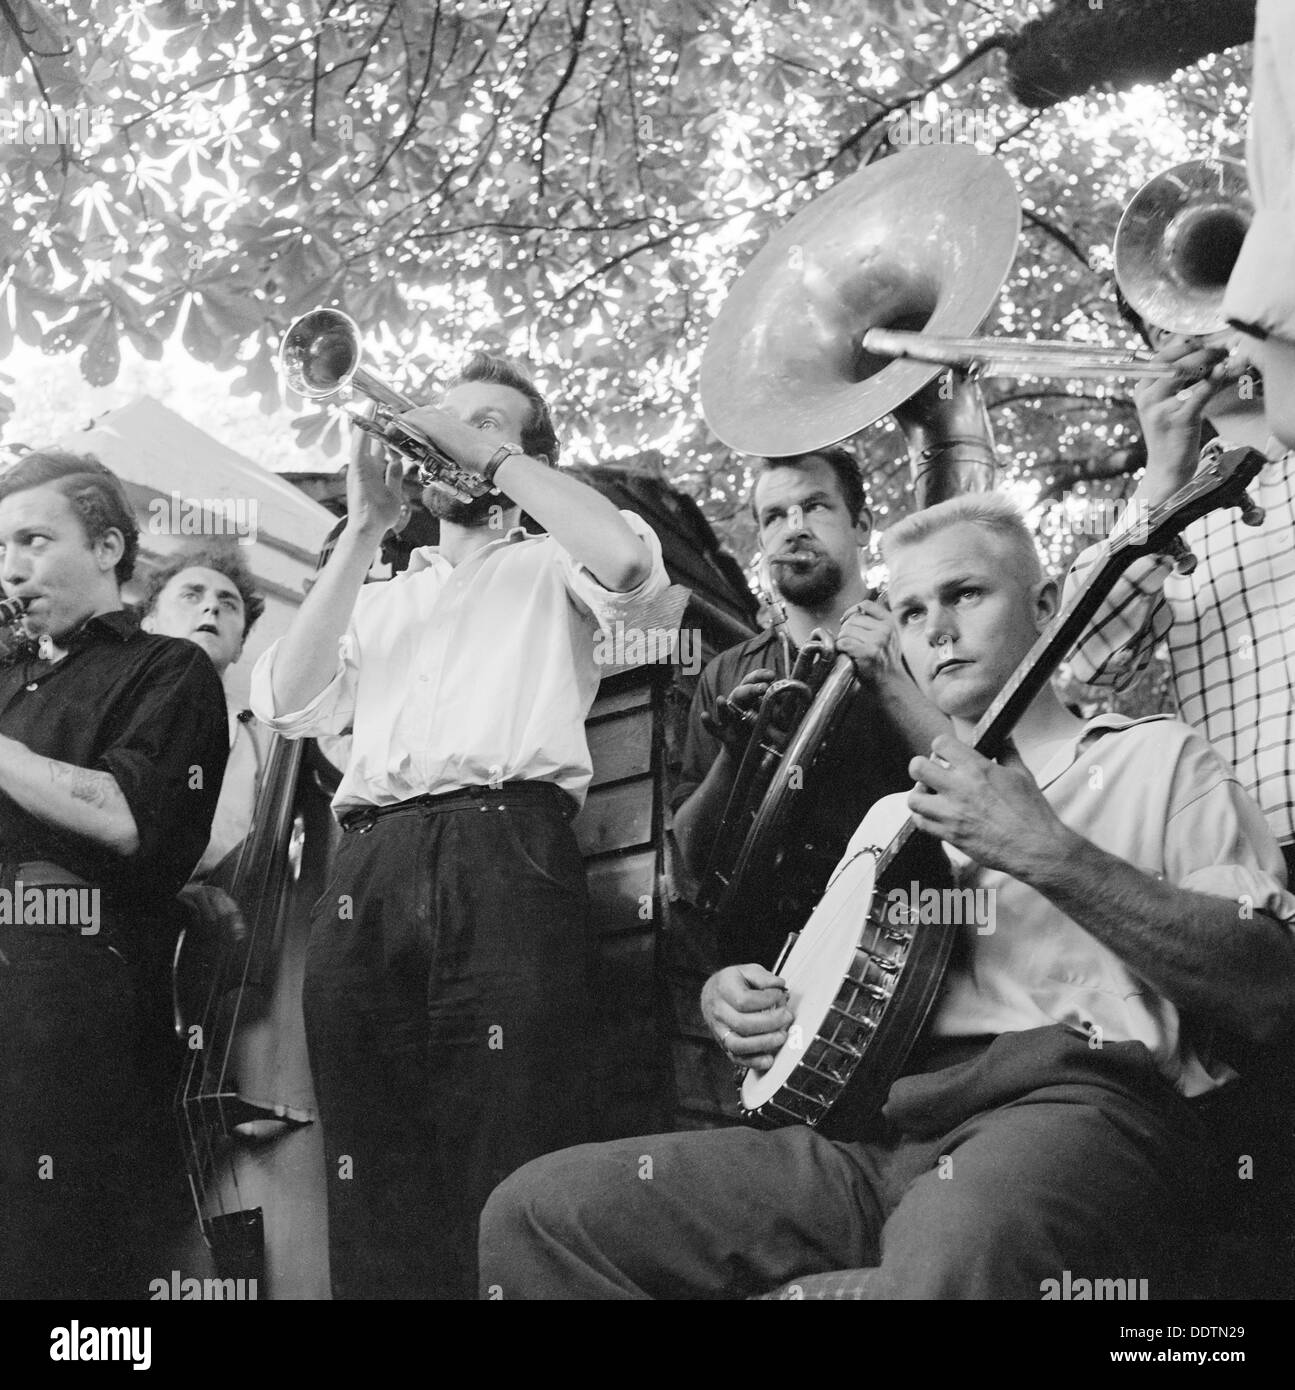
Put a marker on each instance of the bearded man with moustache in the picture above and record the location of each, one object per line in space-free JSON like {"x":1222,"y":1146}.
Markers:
{"x":1044,"y":1128}
{"x":814,"y":525}
{"x":446,"y":978}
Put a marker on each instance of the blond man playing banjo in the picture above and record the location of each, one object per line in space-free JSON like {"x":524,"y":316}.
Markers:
{"x":1045,"y":1123}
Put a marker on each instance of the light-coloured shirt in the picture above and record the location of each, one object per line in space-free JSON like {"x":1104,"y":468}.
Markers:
{"x":475,"y":674}
{"x":237,"y":804}
{"x":1261,"y":292}
{"x":1153,"y":793}
{"x":1230,"y":635}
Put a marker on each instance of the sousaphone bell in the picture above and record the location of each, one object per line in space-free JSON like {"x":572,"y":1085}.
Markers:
{"x":920,"y":241}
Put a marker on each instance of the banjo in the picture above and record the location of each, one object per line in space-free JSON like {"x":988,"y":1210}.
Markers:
{"x":863,"y":975}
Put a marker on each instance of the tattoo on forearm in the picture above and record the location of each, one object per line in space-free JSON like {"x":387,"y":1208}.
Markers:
{"x":91,"y":787}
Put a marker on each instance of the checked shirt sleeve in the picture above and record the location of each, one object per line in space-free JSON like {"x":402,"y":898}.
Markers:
{"x":1127,"y":628}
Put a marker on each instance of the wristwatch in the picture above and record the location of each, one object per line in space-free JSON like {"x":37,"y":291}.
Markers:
{"x":504,"y":451}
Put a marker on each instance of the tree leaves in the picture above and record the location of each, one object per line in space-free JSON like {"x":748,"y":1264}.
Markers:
{"x":576,"y":183}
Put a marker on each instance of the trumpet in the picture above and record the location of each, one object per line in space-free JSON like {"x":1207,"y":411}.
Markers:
{"x":319,"y":357}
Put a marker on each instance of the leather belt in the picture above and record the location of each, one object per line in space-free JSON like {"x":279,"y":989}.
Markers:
{"x":364,"y":818}
{"x":42,"y":873}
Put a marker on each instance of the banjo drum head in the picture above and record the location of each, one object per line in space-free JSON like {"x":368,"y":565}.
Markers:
{"x":817,"y":965}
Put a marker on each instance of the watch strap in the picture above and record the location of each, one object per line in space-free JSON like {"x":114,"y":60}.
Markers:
{"x":504,"y":451}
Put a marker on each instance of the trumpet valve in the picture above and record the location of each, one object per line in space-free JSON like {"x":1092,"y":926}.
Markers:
{"x":451,"y":490}
{"x":373,"y":424}
{"x":742,"y":716}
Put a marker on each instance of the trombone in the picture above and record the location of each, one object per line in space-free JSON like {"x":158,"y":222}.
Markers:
{"x":319,"y":357}
{"x":850,"y":309}
{"x":1014,"y":356}
{"x":1174,"y":250}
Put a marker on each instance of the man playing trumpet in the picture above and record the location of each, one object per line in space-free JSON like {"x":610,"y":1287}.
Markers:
{"x":1226,"y":623}
{"x":445,"y":993}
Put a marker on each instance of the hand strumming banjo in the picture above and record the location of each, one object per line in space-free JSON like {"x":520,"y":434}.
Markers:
{"x":862,"y":987}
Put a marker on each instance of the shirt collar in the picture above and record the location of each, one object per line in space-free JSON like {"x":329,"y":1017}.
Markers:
{"x":428,"y":555}
{"x":1107,"y":722}
{"x":120,"y":626}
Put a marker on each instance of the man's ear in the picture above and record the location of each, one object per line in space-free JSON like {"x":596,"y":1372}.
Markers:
{"x":109,"y":548}
{"x":1047,"y":601}
{"x":148,"y":623}
{"x":863,"y":523}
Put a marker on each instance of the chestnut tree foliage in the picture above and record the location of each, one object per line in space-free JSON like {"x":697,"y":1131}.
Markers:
{"x":573,"y":181}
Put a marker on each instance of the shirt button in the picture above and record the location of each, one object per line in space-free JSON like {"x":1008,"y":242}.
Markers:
{"x":32,"y":686}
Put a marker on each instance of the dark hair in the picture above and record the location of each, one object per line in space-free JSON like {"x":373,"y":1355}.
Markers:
{"x":538,"y":437}
{"x":849,"y":480}
{"x":1134,"y":319}
{"x":93,"y":491}
{"x":219,"y":558}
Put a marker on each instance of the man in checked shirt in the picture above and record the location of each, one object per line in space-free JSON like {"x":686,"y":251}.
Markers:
{"x":1230,"y":657}
{"x":1228,"y":624}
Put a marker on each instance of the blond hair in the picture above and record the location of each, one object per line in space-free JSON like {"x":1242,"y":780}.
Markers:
{"x":991,"y":511}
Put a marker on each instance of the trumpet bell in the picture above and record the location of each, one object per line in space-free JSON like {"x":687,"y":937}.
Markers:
{"x":1178,"y":240}
{"x":921,"y":240}
{"x":319,"y":353}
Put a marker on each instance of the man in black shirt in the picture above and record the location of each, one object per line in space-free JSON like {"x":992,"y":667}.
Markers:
{"x":814,"y":525}
{"x":112,"y":749}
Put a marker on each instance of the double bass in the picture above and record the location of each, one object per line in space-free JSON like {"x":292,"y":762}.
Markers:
{"x":244,"y":1104}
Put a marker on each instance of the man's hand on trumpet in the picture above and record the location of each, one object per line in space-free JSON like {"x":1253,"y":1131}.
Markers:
{"x":471,"y":446}
{"x":374,"y":495}
{"x":1170,"y":409}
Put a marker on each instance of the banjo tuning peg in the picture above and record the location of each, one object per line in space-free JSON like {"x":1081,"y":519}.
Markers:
{"x":1177,"y":550}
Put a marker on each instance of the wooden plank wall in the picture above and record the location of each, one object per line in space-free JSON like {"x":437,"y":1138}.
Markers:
{"x":619,"y":833}
{"x":655,"y":1064}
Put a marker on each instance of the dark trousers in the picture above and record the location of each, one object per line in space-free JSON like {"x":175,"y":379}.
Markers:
{"x":1033,"y":1156}
{"x":445,"y":1003}
{"x":80,"y":1120}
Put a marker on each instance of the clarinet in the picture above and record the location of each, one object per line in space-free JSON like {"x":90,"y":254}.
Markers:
{"x":11,"y":609}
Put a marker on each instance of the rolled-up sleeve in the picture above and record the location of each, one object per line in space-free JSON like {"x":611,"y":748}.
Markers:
{"x":168,"y":759}
{"x":331,"y":712}
{"x":607,"y":605}
{"x":1218,"y":842}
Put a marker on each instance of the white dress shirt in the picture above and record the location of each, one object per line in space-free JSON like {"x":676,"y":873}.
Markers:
{"x":237,"y":804}
{"x":1155,"y":794}
{"x":467,"y":675}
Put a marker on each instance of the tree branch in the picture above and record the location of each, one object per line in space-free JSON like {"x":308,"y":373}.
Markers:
{"x":1055,"y":232}
{"x":578,"y":32}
